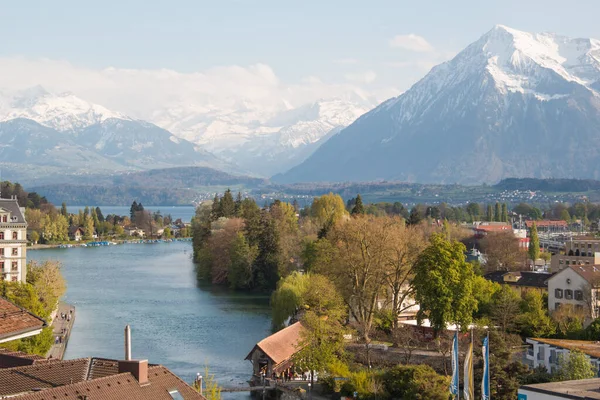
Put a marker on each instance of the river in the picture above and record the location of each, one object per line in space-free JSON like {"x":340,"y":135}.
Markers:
{"x":174,"y":322}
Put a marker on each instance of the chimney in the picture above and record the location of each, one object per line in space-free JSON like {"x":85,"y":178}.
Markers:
{"x":127,"y":343}
{"x":137,"y":368}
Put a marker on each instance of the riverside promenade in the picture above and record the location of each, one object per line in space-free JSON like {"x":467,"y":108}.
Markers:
{"x":62,"y":330}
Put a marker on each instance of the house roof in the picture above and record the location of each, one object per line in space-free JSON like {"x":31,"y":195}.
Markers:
{"x":281,"y":345}
{"x":525,"y":278}
{"x":493,"y":228}
{"x":15,"y":321}
{"x":73,"y":229}
{"x":577,"y":389}
{"x":10,"y":359}
{"x":546,"y":223}
{"x":591,"y":348}
{"x":12,"y":206}
{"x":591,"y":273}
{"x":124,"y":386}
{"x":98,"y":378}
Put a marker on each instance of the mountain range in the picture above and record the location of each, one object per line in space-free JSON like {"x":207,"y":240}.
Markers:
{"x":512,"y":104}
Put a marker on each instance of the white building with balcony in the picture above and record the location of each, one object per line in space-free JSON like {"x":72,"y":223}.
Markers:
{"x":13,"y":241}
{"x":547,"y":352}
{"x":577,"y":289}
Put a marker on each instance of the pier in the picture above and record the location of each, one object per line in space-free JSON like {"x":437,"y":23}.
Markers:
{"x":61,"y":329}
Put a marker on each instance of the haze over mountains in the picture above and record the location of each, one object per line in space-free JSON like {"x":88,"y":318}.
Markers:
{"x":512,"y":104}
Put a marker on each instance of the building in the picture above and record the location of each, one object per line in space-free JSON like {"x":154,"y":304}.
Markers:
{"x":575,"y":287}
{"x":17,"y":323}
{"x":549,"y":226}
{"x":76,"y":233}
{"x":577,"y":252}
{"x":521,"y":281}
{"x":94,"y":378}
{"x":13,"y":241}
{"x":273,"y":354}
{"x":580,"y":389}
{"x":547,"y":352}
{"x":482,"y":229}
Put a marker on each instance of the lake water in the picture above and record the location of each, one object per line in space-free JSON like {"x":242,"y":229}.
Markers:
{"x":173,"y":322}
{"x":184,"y":212}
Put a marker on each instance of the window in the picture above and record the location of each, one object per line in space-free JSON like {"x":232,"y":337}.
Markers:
{"x":175,"y":395}
{"x":567,"y":262}
{"x":15,"y":266}
{"x":1,"y":265}
{"x":568,"y":294}
{"x":578,"y":295}
{"x":4,"y":218}
{"x":14,"y":279}
{"x":15,"y":235}
{"x":589,"y":245}
{"x":1,"y":251}
{"x":1,"y":235}
{"x":558,"y":293}
{"x":557,"y":306}
{"x":15,"y":251}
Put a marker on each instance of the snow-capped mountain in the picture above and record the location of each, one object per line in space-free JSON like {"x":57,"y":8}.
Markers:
{"x":73,"y":136}
{"x":512,"y":104}
{"x":262,"y":140}
{"x":63,"y":112}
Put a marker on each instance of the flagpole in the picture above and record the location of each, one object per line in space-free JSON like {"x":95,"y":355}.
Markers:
{"x":488,"y":358}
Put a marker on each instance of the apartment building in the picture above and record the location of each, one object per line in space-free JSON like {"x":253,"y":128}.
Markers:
{"x":13,"y":241}
{"x":577,"y":252}
{"x":547,"y":352}
{"x":576,"y":288}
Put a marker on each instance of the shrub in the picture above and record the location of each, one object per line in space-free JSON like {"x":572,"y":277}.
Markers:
{"x":416,"y":382}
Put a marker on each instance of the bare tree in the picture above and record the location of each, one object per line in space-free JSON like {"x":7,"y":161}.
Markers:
{"x":407,"y":339}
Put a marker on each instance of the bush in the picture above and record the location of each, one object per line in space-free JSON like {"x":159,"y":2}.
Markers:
{"x":384,"y":321}
{"x":416,"y":382}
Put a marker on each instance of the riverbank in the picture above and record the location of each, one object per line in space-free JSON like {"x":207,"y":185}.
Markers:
{"x":104,"y":243}
{"x":61,"y":328}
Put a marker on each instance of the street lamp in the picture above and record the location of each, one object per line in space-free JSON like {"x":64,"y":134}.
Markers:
{"x":309,"y":392}
{"x":199,"y":382}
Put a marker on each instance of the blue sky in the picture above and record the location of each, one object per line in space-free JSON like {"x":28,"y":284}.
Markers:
{"x":328,"y":40}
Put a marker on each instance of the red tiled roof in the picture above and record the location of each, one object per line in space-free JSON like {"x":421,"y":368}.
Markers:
{"x":590,"y":273}
{"x":123,"y":386}
{"x":15,"y":320}
{"x":546,"y":223}
{"x":281,"y":345}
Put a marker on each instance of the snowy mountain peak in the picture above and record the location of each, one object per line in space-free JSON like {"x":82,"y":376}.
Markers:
{"x":63,"y":112}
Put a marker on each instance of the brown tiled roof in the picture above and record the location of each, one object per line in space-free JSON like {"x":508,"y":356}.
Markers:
{"x":121,"y":387}
{"x":588,"y":347}
{"x":590,"y":273}
{"x":15,"y":320}
{"x":10,"y":359}
{"x":101,"y":367}
{"x":46,"y":375}
{"x":281,"y":345}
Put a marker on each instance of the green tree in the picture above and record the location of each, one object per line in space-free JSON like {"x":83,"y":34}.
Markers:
{"x":167,"y":234}
{"x":88,"y":227}
{"x":415,"y":217}
{"x":564,"y":215}
{"x":443,"y":284}
{"x":505,"y":308}
{"x":227,"y":205}
{"x":63,"y":210}
{"x":358,"y":206}
{"x":99,"y":214}
{"x":504,"y":213}
{"x":238,"y":204}
{"x":489,"y":214}
{"x":34,"y":236}
{"x":497,"y":213}
{"x":268,"y":262}
{"x":317,"y":255}
{"x":288,"y":298}
{"x":242,"y":258}
{"x":321,"y":340}
{"x":327,"y":210}
{"x":574,"y":366}
{"x":416,"y":382}
{"x":47,"y":280}
{"x":474,"y":211}
{"x":534,"y":320}
{"x":534,"y":243}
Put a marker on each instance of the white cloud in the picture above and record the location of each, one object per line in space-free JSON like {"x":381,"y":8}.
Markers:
{"x":423,"y":65}
{"x":412,"y":42}
{"x":362,"y":77}
{"x":141,"y":93}
{"x":346,"y":61}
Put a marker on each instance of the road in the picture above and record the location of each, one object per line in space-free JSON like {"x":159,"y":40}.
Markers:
{"x":62,"y":329}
